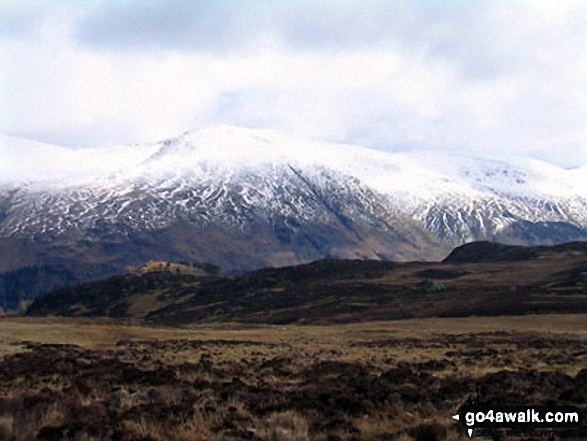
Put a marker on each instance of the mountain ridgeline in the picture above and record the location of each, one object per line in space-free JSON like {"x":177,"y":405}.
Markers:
{"x":246,"y":199}
{"x":481,"y":279}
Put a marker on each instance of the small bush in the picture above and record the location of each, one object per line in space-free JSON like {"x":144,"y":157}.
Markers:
{"x":287,"y":426}
{"x":6,"y":429}
{"x":431,"y":285}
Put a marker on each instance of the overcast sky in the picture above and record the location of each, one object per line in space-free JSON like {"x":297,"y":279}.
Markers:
{"x":481,"y":77}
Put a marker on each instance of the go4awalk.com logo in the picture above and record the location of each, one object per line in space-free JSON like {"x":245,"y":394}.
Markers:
{"x":518,"y":418}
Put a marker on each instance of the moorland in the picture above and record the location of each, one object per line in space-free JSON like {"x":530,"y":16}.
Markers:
{"x":332,"y":350}
{"x":95,"y":379}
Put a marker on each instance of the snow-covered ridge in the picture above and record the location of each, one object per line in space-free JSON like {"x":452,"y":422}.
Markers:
{"x":23,"y":160}
{"x":226,"y":173}
{"x":422,"y":174}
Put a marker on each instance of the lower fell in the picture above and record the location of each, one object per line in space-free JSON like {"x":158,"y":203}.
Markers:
{"x":476,"y":279}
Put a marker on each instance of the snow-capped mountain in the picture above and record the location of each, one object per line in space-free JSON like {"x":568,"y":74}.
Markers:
{"x":247,"y":198}
{"x":230,"y":174}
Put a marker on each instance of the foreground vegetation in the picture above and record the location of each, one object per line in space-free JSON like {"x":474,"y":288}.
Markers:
{"x":97,"y":379}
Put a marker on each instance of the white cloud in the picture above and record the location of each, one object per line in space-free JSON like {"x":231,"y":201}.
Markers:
{"x":496,"y":78}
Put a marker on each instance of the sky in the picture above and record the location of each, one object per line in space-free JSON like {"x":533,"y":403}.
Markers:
{"x":476,"y":77}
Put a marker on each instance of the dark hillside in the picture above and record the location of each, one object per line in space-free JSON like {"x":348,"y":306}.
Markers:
{"x":496,"y":252}
{"x":476,"y":279}
{"x":490,"y":252}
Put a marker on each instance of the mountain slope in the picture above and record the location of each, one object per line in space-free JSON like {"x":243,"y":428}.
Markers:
{"x":245,"y":199}
{"x":456,"y":198}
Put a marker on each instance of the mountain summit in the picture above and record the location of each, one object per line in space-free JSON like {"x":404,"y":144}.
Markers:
{"x":245,"y":199}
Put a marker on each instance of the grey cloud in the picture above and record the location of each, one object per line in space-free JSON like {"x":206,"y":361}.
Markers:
{"x":225,"y":24}
{"x":466,"y":34}
{"x":16,"y":22}
{"x":469,"y":35}
{"x":475,"y":39}
{"x":186,"y":26}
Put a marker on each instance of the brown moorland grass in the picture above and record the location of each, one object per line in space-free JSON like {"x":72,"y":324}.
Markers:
{"x":101,"y":379}
{"x":100,"y":332}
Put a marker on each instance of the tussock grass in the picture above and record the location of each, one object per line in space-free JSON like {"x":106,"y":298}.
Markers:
{"x":290,"y":383}
{"x":286,"y":426}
